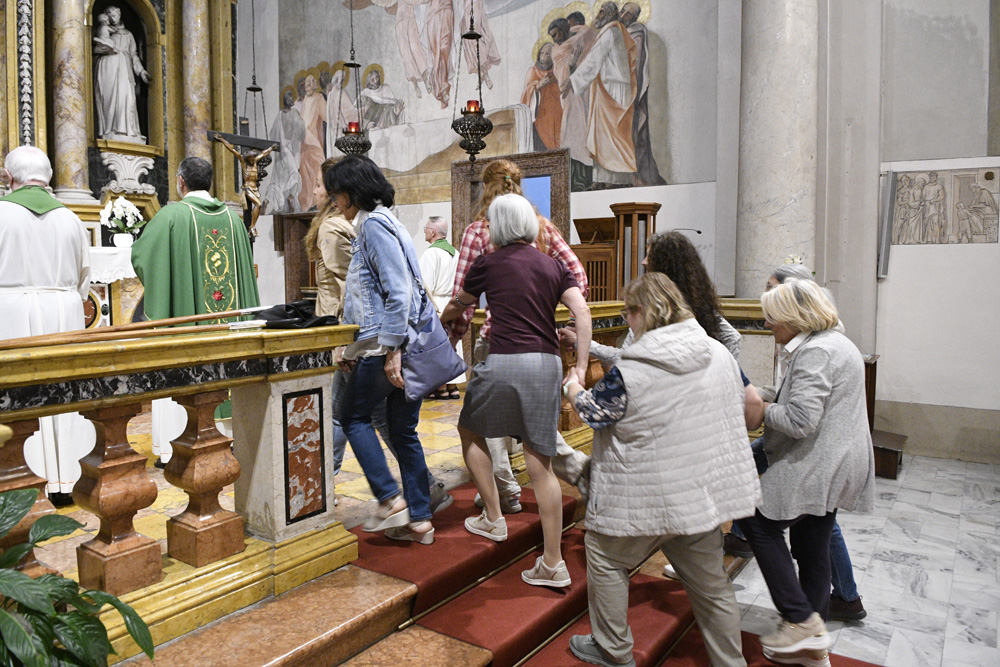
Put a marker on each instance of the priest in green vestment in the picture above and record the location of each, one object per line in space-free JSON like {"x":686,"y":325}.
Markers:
{"x":193,"y":257}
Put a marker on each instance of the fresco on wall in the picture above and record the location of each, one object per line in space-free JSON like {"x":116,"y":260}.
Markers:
{"x":587,"y":88}
{"x":946,"y":206}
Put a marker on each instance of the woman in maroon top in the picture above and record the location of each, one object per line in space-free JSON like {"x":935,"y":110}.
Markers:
{"x":515,"y":392}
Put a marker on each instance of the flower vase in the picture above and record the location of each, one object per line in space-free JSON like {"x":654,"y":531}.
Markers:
{"x":122,"y":240}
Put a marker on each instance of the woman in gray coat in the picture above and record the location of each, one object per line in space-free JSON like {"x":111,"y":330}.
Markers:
{"x":820,"y":459}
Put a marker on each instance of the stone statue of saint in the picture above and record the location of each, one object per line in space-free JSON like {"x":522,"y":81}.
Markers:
{"x":116,"y":67}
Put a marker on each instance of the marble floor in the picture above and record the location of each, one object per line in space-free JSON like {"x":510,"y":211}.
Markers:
{"x":926,"y":564}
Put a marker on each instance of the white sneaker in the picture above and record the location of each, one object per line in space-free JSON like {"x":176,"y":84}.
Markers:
{"x":791,"y":638}
{"x":543,"y":575}
{"x":670,"y":573}
{"x":493,"y":530}
{"x":806,"y":657}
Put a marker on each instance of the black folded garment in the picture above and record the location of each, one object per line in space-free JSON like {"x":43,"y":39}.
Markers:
{"x":295,"y":315}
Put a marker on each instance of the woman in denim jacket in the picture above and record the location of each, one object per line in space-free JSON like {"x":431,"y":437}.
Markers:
{"x":382,"y":296}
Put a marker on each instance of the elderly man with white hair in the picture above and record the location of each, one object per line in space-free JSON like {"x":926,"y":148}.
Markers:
{"x":44,"y":280}
{"x":437,"y":265}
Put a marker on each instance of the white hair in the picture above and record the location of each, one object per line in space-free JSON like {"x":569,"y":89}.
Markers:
{"x":512,"y":218}
{"x":28,"y":163}
{"x":438,"y":224}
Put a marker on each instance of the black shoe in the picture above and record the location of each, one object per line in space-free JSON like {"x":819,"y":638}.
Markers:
{"x":158,"y":463}
{"x":734,"y":546}
{"x":61,"y":499}
{"x":842,"y":610}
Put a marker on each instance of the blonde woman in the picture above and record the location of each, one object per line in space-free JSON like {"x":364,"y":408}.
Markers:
{"x":670,"y":465}
{"x":502,"y":177}
{"x":328,"y":243}
{"x":820,"y":458}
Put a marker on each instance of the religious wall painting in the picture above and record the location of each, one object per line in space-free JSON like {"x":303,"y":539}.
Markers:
{"x":602,"y":118}
{"x":946,"y":206}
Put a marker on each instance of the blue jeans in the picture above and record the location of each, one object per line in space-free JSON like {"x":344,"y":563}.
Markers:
{"x":368,"y":387}
{"x":842,"y":572}
{"x":339,"y":437}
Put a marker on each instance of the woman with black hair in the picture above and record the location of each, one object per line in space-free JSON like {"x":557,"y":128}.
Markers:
{"x":673,"y":254}
{"x":382,"y":295}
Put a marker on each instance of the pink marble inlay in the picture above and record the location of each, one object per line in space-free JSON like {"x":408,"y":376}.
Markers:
{"x":304,"y":454}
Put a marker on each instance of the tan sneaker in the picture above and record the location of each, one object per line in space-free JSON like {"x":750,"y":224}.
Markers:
{"x":493,"y":530}
{"x":805,"y":658}
{"x":543,"y":575}
{"x":794,"y":637}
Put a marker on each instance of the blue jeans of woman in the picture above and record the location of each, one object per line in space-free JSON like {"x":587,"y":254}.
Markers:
{"x":367,"y":387}
{"x":844,"y":586}
{"x":339,"y":437}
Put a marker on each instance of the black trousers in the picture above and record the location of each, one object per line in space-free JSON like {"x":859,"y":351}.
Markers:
{"x":796,"y":598}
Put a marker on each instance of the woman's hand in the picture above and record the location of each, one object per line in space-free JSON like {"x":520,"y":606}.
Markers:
{"x":567,"y":334}
{"x":394,"y":367}
{"x":345,"y":365}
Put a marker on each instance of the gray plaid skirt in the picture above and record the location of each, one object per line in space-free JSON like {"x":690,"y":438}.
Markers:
{"x":516,"y":395}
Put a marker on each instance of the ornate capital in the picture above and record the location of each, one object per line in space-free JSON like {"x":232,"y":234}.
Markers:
{"x":128,"y":169}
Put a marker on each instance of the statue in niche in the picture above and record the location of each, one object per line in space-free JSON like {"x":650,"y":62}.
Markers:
{"x":116,"y":67}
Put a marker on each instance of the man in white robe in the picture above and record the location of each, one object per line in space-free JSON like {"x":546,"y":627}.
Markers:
{"x":340,"y":110}
{"x":437,"y":267}
{"x":44,"y":280}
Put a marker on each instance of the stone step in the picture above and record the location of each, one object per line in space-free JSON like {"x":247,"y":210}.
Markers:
{"x":318,"y":624}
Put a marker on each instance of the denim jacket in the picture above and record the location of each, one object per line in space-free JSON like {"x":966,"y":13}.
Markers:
{"x":382,"y":294}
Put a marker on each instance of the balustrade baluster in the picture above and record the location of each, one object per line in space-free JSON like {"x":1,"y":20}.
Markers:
{"x":15,"y":474}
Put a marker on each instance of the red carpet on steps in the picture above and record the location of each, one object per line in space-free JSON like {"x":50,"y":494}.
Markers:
{"x":457,"y":558}
{"x":690,"y":652}
{"x":509,"y":617}
{"x":658,"y":611}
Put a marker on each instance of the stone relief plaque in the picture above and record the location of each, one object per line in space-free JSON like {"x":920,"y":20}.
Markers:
{"x":946,"y":206}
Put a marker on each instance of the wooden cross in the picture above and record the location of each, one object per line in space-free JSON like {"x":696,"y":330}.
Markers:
{"x":253,"y":155}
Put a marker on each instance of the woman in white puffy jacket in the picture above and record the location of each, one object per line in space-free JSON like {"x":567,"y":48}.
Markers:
{"x":670,"y":465}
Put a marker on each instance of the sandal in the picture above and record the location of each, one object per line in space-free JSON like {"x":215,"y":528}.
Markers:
{"x":438,"y":395}
{"x":452,"y":393}
{"x":407,"y":534}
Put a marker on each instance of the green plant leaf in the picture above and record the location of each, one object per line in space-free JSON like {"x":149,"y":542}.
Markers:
{"x":133,"y":622}
{"x":23,"y":589}
{"x":42,"y":625}
{"x":11,"y":557}
{"x":85,"y":637}
{"x":21,"y":641}
{"x":60,"y":589}
{"x":52,"y":525}
{"x":84,"y":604}
{"x":14,"y":505}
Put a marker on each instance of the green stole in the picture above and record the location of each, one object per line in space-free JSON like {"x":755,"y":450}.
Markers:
{"x":35,"y":198}
{"x":444,"y":245}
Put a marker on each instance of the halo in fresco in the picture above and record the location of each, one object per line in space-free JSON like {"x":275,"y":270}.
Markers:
{"x":368,"y":70}
{"x":287,"y":89}
{"x":339,"y":66}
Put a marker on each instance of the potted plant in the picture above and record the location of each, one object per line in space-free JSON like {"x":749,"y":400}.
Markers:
{"x":124,"y":218}
{"x":49,"y":620}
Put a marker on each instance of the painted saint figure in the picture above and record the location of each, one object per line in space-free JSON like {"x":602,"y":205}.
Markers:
{"x":116,"y":67}
{"x":285,"y":183}
{"x":439,"y":27}
{"x":410,"y":47}
{"x":313,"y":119}
{"x":541,"y":94}
{"x":609,"y":72}
{"x":489,"y":54}
{"x":379,"y":106}
{"x":648,"y":171}
{"x":565,"y":58}
{"x":340,"y":110}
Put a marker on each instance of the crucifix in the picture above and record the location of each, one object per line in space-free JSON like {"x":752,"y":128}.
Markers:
{"x":253,"y":155}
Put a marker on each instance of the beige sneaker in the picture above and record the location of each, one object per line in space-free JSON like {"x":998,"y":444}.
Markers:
{"x":794,"y":637}
{"x":543,"y":575}
{"x":493,"y":530}
{"x":805,"y":658}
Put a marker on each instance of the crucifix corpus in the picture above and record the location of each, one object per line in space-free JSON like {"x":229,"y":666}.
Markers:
{"x":253,"y":155}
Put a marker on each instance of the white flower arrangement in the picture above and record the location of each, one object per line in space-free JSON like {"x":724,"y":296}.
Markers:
{"x":793,"y":259}
{"x":122,"y":216}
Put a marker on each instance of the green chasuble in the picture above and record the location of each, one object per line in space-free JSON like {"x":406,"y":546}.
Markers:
{"x":194,"y":257}
{"x":444,"y":245}
{"x":35,"y":198}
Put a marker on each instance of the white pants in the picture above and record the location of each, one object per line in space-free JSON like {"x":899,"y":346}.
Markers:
{"x":55,"y":450}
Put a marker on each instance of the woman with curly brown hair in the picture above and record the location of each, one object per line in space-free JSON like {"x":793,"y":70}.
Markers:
{"x":673,"y":254}
{"x":501,"y":177}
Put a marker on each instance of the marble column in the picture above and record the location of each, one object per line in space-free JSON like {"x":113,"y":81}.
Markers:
{"x":776,"y":196}
{"x":197,"y":90}
{"x":4,"y":146}
{"x":71,"y":174}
